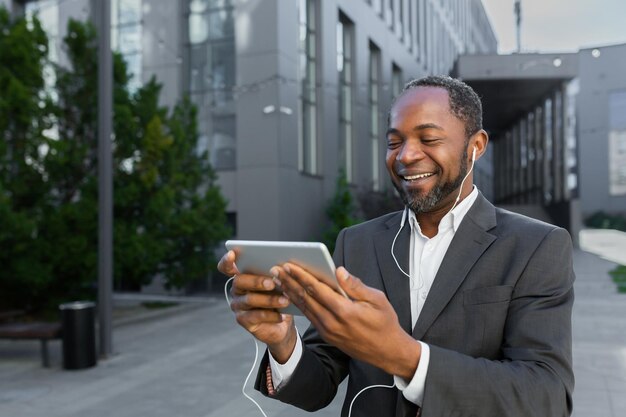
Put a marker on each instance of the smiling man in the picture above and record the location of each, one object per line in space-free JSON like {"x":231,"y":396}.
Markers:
{"x":427,"y":148}
{"x":463,"y":308}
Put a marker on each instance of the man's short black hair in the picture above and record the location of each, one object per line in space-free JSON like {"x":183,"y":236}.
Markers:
{"x":464,"y":102}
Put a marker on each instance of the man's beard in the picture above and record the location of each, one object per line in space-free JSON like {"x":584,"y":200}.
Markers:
{"x":419,"y":203}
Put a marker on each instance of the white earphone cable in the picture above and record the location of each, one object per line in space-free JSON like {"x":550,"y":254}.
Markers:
{"x":393,"y":255}
{"x":365,"y":389}
{"x":256,"y":357}
{"x":458,"y":197}
{"x":405,"y":216}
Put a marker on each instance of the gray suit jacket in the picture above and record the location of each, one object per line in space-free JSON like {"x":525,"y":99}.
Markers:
{"x":497,"y":320}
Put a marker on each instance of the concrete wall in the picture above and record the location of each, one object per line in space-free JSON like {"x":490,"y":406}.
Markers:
{"x":599,"y":76}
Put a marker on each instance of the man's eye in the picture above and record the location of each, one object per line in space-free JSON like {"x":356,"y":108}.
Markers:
{"x":393,"y":144}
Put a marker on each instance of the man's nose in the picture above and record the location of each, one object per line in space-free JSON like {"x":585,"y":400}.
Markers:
{"x":411,"y":151}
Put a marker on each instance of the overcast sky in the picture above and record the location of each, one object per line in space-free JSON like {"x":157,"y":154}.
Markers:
{"x":558,"y":25}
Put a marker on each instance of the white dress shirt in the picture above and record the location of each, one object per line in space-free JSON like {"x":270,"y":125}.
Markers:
{"x":425,"y":257}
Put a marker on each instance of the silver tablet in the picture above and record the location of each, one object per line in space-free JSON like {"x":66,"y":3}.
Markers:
{"x":258,"y":257}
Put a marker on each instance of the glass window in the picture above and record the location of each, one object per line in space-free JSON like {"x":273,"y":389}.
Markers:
{"x":419,"y":30}
{"x":571,"y":145}
{"x":129,"y":11}
{"x":129,"y":39}
{"x":557,"y":146}
{"x":126,"y":28}
{"x":428,"y":36}
{"x":198,"y":6}
{"x":133,"y":67}
{"x":213,"y":24}
{"x":345,"y":40}
{"x":617,"y":143}
{"x":198,"y":64}
{"x":47,"y":11}
{"x":222,"y":77}
{"x":410,"y":24}
{"x":212,"y":74}
{"x":548,"y":152}
{"x":396,"y":81}
{"x":308,"y":161}
{"x":198,"y":28}
{"x":374,"y":105}
{"x":223,"y":148}
{"x":221,"y":24}
{"x":400,"y":22}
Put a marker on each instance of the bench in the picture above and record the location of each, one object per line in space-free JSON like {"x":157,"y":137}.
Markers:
{"x":31,"y":331}
{"x":8,"y":315}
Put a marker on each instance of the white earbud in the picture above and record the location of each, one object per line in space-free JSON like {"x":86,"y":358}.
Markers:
{"x":474,"y":154}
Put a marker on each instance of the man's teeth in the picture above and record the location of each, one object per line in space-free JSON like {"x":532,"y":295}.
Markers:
{"x":418,"y":176}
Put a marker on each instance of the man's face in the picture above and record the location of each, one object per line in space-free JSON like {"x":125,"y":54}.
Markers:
{"x":426,"y":150}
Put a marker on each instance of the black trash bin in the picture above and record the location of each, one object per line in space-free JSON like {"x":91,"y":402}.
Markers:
{"x":79,"y":335}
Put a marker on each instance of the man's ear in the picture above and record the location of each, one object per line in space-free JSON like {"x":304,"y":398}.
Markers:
{"x":479,"y":142}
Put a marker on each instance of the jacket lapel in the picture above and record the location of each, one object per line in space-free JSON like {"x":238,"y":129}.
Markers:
{"x":470,"y":241}
{"x":396,"y":284}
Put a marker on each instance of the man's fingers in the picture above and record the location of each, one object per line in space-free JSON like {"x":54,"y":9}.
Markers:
{"x":226,"y":264}
{"x":255,"y":300}
{"x":253,"y":318}
{"x":310,"y":295}
{"x":244,"y":283}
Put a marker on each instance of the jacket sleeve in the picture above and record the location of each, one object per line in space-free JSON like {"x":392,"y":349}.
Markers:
{"x":534,"y":375}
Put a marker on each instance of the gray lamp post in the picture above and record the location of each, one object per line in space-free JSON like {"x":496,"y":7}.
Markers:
{"x":105,"y":177}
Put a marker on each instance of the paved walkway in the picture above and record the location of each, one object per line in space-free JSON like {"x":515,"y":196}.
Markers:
{"x":607,"y":244}
{"x":192,"y":361}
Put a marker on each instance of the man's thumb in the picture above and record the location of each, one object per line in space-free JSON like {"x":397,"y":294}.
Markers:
{"x":353,"y":286}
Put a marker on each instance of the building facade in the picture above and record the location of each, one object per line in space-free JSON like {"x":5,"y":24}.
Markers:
{"x":530,"y":114}
{"x":314,"y":81}
{"x":289,"y":93}
{"x":558,"y":128}
{"x":602,"y":129}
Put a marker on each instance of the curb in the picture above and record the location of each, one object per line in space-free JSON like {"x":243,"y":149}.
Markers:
{"x":183,"y":307}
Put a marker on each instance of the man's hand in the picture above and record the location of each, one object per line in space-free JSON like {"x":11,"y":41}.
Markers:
{"x":365,"y":326}
{"x":255,"y":302}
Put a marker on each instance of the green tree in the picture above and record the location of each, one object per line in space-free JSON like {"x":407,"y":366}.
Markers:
{"x":340,"y":212}
{"x":25,"y":113}
{"x":168,"y":212}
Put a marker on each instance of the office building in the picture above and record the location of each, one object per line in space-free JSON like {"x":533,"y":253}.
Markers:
{"x":288,"y":92}
{"x":303,"y":93}
{"x":558,"y":130}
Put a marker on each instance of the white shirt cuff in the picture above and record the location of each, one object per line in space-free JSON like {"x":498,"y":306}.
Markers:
{"x":282,"y":372}
{"x":413,"y":390}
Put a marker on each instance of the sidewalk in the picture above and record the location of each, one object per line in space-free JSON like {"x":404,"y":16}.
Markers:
{"x":607,"y":244}
{"x":192,"y":362}
{"x":599,"y":322}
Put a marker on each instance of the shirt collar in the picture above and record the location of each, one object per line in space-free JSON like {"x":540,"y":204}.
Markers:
{"x":451,"y":219}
